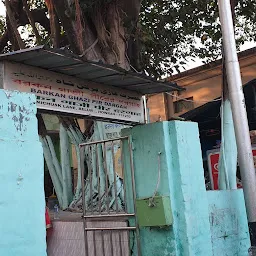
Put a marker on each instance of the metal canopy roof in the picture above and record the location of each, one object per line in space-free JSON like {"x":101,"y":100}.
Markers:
{"x":61,"y":61}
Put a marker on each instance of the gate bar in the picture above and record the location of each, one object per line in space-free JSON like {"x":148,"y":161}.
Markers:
{"x":102,"y":141}
{"x":103,"y":242}
{"x":134,"y":195}
{"x":90,"y":170}
{"x":107,"y":188}
{"x":82,"y":158}
{"x":114,"y":168}
{"x":110,"y":229}
{"x":109,"y":216}
{"x":123,"y":172}
{"x":98,"y":178}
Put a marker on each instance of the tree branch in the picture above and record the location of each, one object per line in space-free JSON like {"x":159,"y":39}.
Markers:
{"x":39,"y":15}
{"x":31,"y":21}
{"x":14,"y":24}
{"x":54,"y":24}
{"x":131,"y":11}
{"x":60,"y":7}
{"x":11,"y":36}
{"x":117,"y":37}
{"x":4,"y":40}
{"x":70,"y":26}
{"x":57,"y":30}
{"x":131,"y":8}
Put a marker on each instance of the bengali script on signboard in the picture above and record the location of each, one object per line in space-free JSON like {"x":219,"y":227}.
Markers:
{"x":62,"y":93}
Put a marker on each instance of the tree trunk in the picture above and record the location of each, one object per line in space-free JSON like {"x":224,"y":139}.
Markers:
{"x":14,"y":25}
{"x":4,"y":40}
{"x":98,"y":34}
{"x":117,"y":40}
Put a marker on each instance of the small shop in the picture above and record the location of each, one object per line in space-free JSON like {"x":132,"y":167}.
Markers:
{"x":81,"y":103}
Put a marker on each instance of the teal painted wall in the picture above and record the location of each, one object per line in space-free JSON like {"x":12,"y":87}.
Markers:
{"x":229,"y":228}
{"x":22,"y":212}
{"x":147,"y":142}
{"x":187,"y":189}
{"x":182,"y":178}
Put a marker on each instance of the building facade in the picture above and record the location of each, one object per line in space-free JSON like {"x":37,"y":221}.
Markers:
{"x":202,"y":84}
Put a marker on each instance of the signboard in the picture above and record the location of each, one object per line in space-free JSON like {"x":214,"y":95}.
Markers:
{"x":213,"y":160}
{"x":112,"y":131}
{"x":62,"y":93}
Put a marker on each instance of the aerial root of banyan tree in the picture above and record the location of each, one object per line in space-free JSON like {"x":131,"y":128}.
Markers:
{"x":98,"y":185}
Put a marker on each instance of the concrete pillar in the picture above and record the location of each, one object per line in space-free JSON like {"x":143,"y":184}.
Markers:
{"x":187,"y":189}
{"x":22,"y":204}
{"x":182,"y":179}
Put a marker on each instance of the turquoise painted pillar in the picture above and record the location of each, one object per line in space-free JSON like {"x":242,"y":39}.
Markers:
{"x":182,"y":179}
{"x":22,"y":212}
{"x":228,"y":153}
{"x":147,"y":142}
{"x":187,"y":190}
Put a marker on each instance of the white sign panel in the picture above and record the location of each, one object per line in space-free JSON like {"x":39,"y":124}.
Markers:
{"x":67,"y":94}
{"x":112,"y":131}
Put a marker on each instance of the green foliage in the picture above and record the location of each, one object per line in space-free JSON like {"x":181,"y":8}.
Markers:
{"x":2,"y":30}
{"x":2,"y":25}
{"x":36,"y":4}
{"x":170,"y":32}
{"x":28,"y":36}
{"x":173,"y":31}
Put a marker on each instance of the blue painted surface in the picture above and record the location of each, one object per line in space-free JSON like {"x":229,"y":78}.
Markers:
{"x":187,"y":189}
{"x":182,"y":177}
{"x":147,"y":142}
{"x":22,"y":219}
{"x":229,"y":228}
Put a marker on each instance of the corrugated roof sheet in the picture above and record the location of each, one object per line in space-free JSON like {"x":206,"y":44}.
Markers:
{"x":62,"y":61}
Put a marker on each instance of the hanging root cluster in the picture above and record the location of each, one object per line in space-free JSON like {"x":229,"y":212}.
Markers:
{"x":60,"y":169}
{"x":103,"y":187}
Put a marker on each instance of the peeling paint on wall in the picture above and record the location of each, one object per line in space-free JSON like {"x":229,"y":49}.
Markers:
{"x":229,"y":228}
{"x":22,"y":203}
{"x":20,"y":111}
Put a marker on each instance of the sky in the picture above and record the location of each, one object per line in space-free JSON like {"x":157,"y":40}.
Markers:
{"x":2,"y":8}
{"x":198,"y":62}
{"x":190,"y":64}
